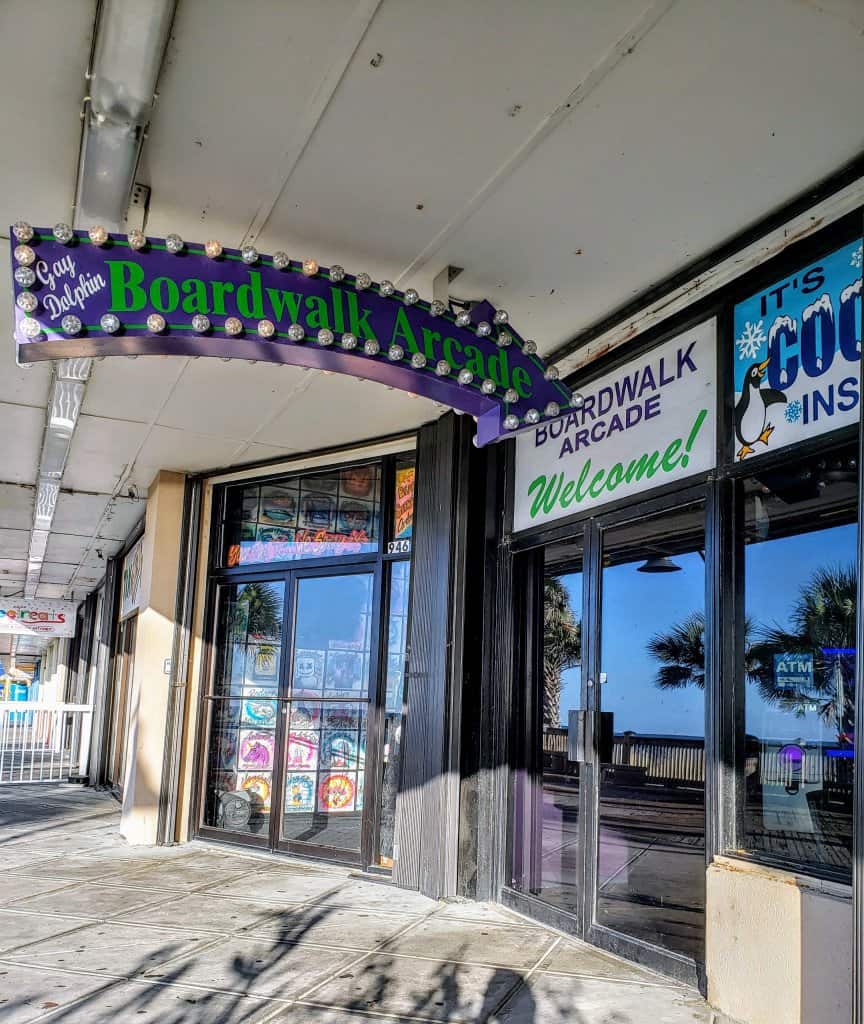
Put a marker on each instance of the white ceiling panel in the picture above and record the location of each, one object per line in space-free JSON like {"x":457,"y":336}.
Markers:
{"x":78,"y":513}
{"x":181,"y":451}
{"x":235,"y":84}
{"x":122,"y":516}
{"x":101,"y":451}
{"x":66,"y":548}
{"x":338,"y":409}
{"x":229,"y":400}
{"x":21,"y":430}
{"x":57,"y":572}
{"x":50,"y":591}
{"x":131,"y":389}
{"x":42,"y":80}
{"x":14,"y":542}
{"x":16,"y":507}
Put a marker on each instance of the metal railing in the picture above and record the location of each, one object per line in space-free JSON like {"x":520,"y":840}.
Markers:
{"x":43,"y":742}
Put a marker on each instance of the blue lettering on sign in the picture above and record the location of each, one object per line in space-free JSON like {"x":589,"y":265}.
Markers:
{"x":797,"y":355}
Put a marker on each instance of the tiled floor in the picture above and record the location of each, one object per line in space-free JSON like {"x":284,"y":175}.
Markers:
{"x":94,"y":931}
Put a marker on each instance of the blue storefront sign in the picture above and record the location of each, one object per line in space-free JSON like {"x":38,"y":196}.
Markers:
{"x":797,"y":355}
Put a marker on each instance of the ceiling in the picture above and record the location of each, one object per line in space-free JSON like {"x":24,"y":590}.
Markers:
{"x":566,"y":154}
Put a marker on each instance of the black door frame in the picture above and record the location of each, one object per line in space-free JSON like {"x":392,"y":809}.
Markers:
{"x":529,"y":572}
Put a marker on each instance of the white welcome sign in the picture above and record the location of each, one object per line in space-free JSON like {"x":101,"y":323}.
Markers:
{"x":37,"y":618}
{"x":646,"y":424}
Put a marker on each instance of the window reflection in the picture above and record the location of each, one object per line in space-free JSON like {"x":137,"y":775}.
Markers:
{"x":799,"y":661}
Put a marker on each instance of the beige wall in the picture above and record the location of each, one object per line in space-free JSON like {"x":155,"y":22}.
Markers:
{"x":778,"y":945}
{"x":153,"y":646}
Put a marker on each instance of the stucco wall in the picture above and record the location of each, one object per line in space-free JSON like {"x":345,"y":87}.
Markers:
{"x":778,"y":945}
{"x":153,"y":647}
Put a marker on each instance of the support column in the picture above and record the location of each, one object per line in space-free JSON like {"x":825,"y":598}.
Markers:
{"x":154,"y":641}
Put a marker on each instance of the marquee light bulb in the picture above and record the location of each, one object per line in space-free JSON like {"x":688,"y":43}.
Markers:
{"x":174,"y":243}
{"x":25,"y":276}
{"x":97,"y":235}
{"x":532,"y":416}
{"x":488,"y":387}
{"x":233,"y":326}
{"x":411,"y":296}
{"x":395,"y":353}
{"x":371,"y":347}
{"x":22,"y":231}
{"x":552,"y":373}
{"x":418,"y":360}
{"x":27,"y":301}
{"x":484,"y":329}
{"x":465,"y":376}
{"x":31,"y":328}
{"x":249,"y":255}
{"x":437,"y":308}
{"x":337,"y":273}
{"x":325,"y":336}
{"x":349,"y":341}
{"x":442,"y":368}
{"x":504,"y":339}
{"x":529,"y":348}
{"x":501,"y":316}
{"x":266,"y":328}
{"x":386,"y":288}
{"x":552,"y":409}
{"x":110,"y":323}
{"x":310,"y":268}
{"x":281,"y":260}
{"x":511,"y":422}
{"x":577,"y":401}
{"x":511,"y":395}
{"x":362,"y":281}
{"x":296,"y":332}
{"x":200,"y":323}
{"x":213,"y":248}
{"x":155,"y":323}
{"x":136,"y":239}
{"x":463,"y":319}
{"x":63,"y":233}
{"x":71,"y":324}
{"x":24,"y":255}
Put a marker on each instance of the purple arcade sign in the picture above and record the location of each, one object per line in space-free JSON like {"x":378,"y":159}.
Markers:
{"x":120,"y":296}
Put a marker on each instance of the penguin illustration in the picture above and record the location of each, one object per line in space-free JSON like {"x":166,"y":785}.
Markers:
{"x":751,"y":412}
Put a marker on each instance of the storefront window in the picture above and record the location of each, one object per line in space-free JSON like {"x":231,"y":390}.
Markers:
{"x":320,"y":515}
{"x":798,"y":656}
{"x":403,"y":508}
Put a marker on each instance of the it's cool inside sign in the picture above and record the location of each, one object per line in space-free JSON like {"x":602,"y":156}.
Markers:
{"x":646,"y":424}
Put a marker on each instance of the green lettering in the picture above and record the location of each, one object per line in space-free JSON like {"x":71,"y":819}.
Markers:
{"x":124,"y":279}
{"x":595,"y":488}
{"x":220,"y":290}
{"x":197,"y":296}
{"x":645,"y":465}
{"x":583,"y":476}
{"x":402,"y":331}
{"x":522,"y":381}
{"x":280,"y":302}
{"x":669,"y":462}
{"x":319,"y":312}
{"x":250,"y":298}
{"x":429,"y":339}
{"x":547,"y":493}
{"x":338,"y":314}
{"x":358,"y":324}
{"x":567,"y":493}
{"x":474,"y":361}
{"x":164,"y":295}
{"x":616,"y":475}
{"x":498,"y":369}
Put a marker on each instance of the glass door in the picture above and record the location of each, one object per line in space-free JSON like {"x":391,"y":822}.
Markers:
{"x":330,"y":693}
{"x":120,"y":704}
{"x":649,"y":732}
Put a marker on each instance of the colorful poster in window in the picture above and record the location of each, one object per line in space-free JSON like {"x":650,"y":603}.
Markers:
{"x":258,"y":788}
{"x":256,"y":750}
{"x":130,"y":586}
{"x":316,"y":511}
{"x":263,"y":662}
{"x":403,"y":512}
{"x":308,"y":671}
{"x":360,"y":481}
{"x":302,"y":749}
{"x":259,"y":708}
{"x":278,"y":506}
{"x":299,"y":791}
{"x":344,"y":674}
{"x":339,"y":750}
{"x":355,"y":517}
{"x":336,"y":792}
{"x":797,"y":355}
{"x":225,"y":745}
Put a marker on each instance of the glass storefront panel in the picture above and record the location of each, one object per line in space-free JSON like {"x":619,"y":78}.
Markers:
{"x":321,"y":515}
{"x":798,"y":656}
{"x":397,"y":636}
{"x":651,"y":815}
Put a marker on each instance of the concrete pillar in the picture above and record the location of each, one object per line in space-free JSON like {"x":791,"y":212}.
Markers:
{"x":153,"y":646}
{"x":778,"y":945}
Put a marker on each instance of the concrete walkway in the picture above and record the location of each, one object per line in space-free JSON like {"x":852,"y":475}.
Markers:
{"x":92,"y":930}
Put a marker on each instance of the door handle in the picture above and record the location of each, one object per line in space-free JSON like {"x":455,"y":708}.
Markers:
{"x":579,"y":726}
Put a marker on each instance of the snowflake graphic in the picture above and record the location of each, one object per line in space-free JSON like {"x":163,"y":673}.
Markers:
{"x":793,"y":412}
{"x":857,"y":257}
{"x":751,"y":340}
